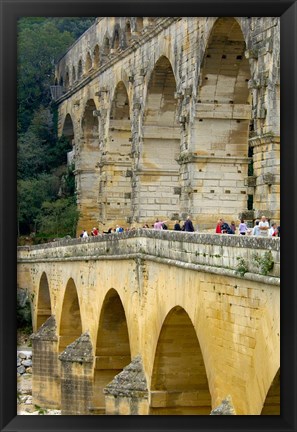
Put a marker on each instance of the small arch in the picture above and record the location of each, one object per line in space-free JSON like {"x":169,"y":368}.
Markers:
{"x":112,"y":344}
{"x":44,"y":309}
{"x":67,"y":79}
{"x":70,"y":323}
{"x":61,"y":81}
{"x":96,"y":56}
{"x":90,"y":125}
{"x":128,"y":33}
{"x":179,"y":374}
{"x":271,"y":405}
{"x":79,"y":69}
{"x":88,"y":63}
{"x":106,"y":46}
{"x":139,"y":24}
{"x":73,"y":75}
{"x":116,"y":39}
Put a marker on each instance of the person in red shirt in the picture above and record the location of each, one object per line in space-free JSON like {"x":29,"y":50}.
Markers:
{"x":218,"y":227}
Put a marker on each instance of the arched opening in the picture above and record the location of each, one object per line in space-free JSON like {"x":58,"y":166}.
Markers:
{"x":159,"y":170}
{"x":96,"y":57}
{"x":61,"y":82}
{"x":128,"y":33}
{"x":116,"y":40}
{"x":106,"y":46}
{"x":68,"y":133}
{"x":221,"y":126}
{"x":67,"y":80}
{"x":79,"y":70}
{"x":70,"y":324}
{"x":73,"y":75}
{"x":88,"y":63}
{"x":112,"y":347}
{"x":179,"y":383}
{"x":272,"y":402}
{"x":44,"y":309}
{"x":87,"y":181}
{"x":139,"y":24}
{"x":118,"y":186}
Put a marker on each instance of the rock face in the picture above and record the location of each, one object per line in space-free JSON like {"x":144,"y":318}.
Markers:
{"x":226,"y":408}
{"x":24,"y":362}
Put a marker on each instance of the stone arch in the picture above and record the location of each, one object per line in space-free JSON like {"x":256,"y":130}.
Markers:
{"x":44,"y":309}
{"x":73,"y":74}
{"x":61,"y":81}
{"x":88,"y":62}
{"x":68,"y":133}
{"x":90,"y":126}
{"x":159,"y":175}
{"x":67,"y":79}
{"x":112,"y":345}
{"x":106,"y":45}
{"x":128,"y":33}
{"x":96,"y":56}
{"x":79,"y":69}
{"x":116,"y":38}
{"x":271,"y":405}
{"x":118,"y":187}
{"x":179,"y":384}
{"x":70,"y":322}
{"x":139,"y":24}
{"x":221,"y":124}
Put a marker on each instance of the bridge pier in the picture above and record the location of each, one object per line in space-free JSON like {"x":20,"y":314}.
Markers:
{"x":77,"y":377}
{"x":127,"y":394}
{"x":46,"y":368}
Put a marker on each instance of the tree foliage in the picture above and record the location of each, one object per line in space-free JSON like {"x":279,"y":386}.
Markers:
{"x":45,"y":184}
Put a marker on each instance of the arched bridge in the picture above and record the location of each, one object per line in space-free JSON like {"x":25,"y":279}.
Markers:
{"x":155,"y":322}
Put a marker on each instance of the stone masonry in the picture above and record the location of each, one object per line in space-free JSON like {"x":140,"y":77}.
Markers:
{"x":174,"y":115}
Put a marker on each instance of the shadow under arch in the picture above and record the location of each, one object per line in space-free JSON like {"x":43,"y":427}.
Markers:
{"x":70,"y":322}
{"x":272,"y":402}
{"x":159,"y":170}
{"x":44,"y":309}
{"x":112,"y":346}
{"x":222,"y":121}
{"x":179,"y":384}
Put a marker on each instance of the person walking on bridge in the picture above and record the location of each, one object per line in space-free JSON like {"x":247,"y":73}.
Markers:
{"x":189,"y":225}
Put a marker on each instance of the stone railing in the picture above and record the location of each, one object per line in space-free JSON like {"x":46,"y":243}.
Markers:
{"x":214,"y":253}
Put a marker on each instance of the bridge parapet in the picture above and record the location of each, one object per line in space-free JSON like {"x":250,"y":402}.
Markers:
{"x":213,"y":253}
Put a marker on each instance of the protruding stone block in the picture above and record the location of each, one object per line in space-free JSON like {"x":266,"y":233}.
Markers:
{"x":46,"y":371}
{"x":225,"y":408}
{"x":127,"y":394}
{"x":77,"y":377}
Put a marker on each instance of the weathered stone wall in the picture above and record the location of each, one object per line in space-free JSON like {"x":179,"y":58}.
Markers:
{"x":127,"y":289}
{"x":165,"y":118}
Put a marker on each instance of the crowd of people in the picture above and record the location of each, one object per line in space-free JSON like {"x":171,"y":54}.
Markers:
{"x":261,"y":228}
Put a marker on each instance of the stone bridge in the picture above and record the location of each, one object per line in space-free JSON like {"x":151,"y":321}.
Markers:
{"x":174,"y":115}
{"x":155,"y":322}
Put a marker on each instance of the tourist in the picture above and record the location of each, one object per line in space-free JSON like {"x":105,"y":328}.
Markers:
{"x":233,"y":227}
{"x":177,"y":226}
{"x":225,"y":228}
{"x":218,"y":227}
{"x":188,"y":225}
{"x":272,"y":232}
{"x":85,"y":234}
{"x":256,"y":229}
{"x":242,"y":228}
{"x":158,"y":225}
{"x":263,"y":226}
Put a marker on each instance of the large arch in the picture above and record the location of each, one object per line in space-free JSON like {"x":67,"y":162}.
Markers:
{"x":179,"y":384}
{"x":221,"y":125}
{"x":44,"y":309}
{"x":112,"y":345}
{"x":272,"y":402}
{"x":118,"y":187}
{"x":70,"y":322}
{"x":68,"y":133}
{"x":159,"y":170}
